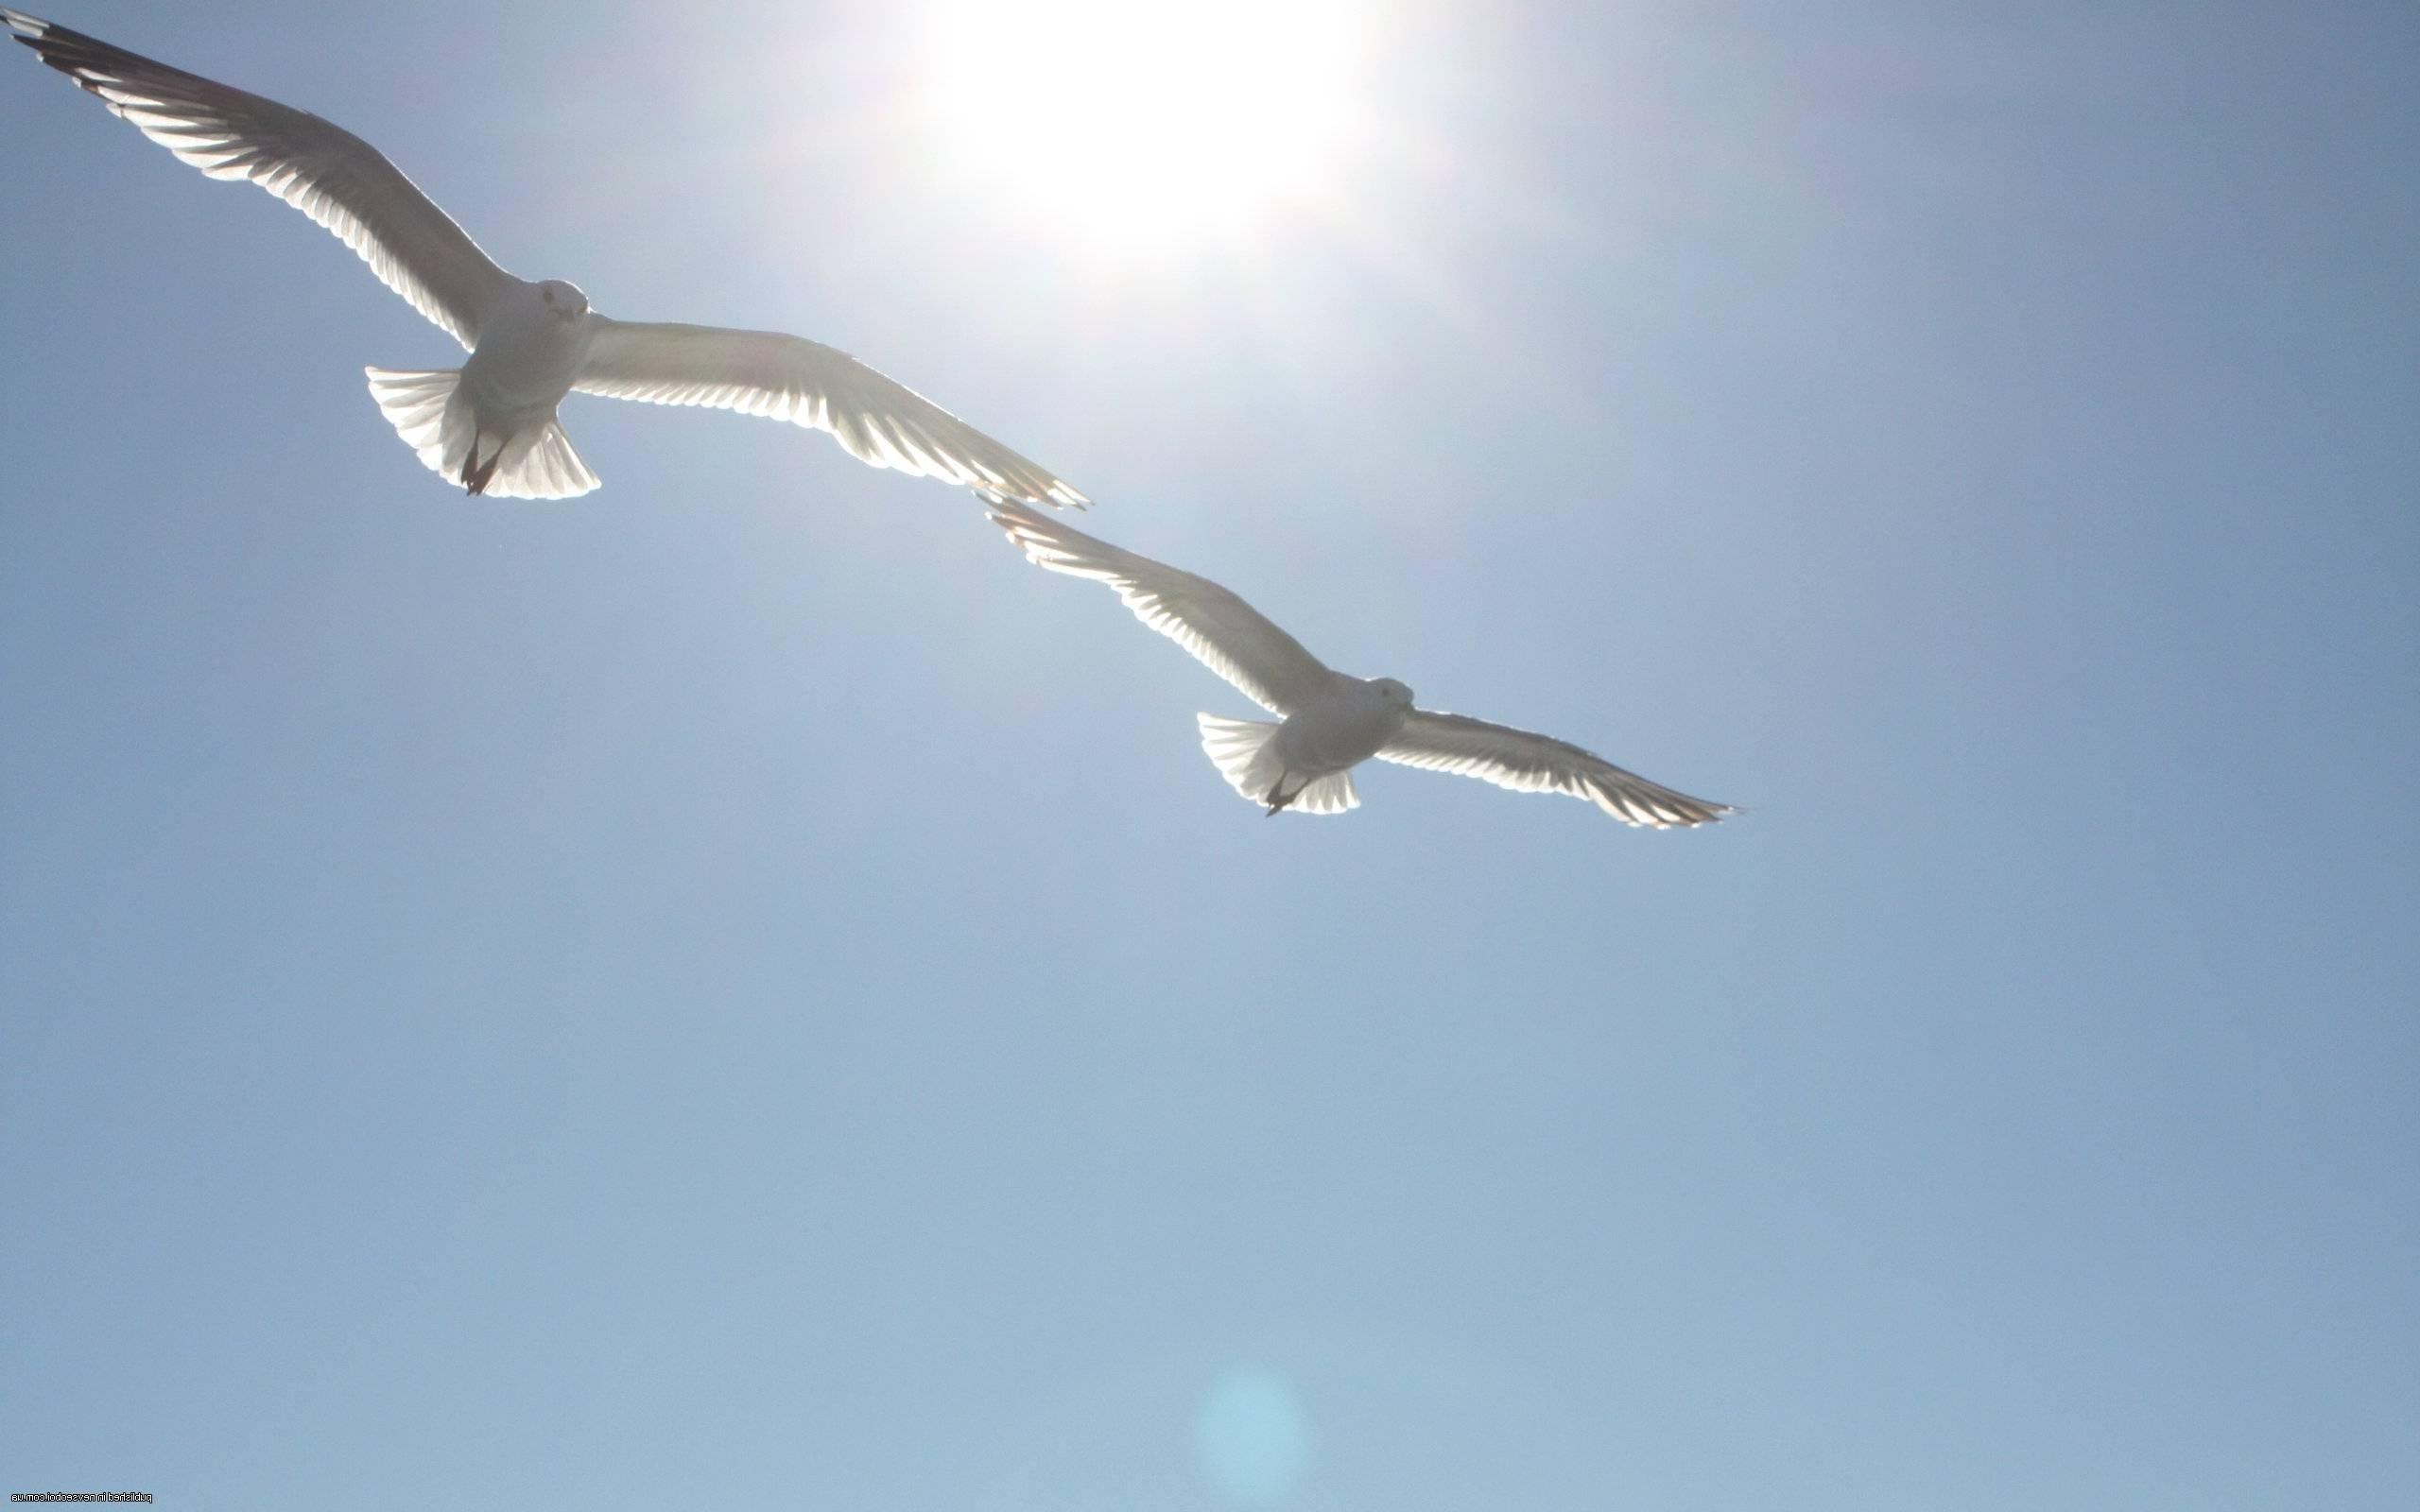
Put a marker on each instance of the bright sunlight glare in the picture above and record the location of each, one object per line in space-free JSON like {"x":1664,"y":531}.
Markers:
{"x":1146,"y":120}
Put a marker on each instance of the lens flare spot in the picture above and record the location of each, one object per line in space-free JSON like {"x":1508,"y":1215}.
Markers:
{"x":1253,"y":1435}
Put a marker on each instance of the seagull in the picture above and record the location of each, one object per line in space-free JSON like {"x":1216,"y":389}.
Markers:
{"x":1332,"y":722}
{"x":491,"y":424}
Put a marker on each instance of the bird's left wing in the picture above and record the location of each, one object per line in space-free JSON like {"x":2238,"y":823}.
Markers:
{"x":1529,"y":763}
{"x":789,"y":378}
{"x":316,"y":166}
{"x":1224,"y":633}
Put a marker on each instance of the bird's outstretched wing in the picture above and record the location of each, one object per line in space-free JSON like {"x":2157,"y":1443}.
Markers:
{"x":1228,"y":636}
{"x":320,"y":168}
{"x":790,"y":378}
{"x":1529,"y":763}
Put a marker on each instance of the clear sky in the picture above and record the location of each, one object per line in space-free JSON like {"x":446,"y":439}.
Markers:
{"x":737,"y":989}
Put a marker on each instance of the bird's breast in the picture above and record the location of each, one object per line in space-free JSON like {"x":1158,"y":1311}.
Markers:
{"x":1338,"y":731}
{"x":528,"y":364}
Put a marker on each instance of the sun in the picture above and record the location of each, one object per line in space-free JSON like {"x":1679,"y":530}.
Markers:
{"x":1147,"y":121}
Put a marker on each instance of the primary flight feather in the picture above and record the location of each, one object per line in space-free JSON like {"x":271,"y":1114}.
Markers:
{"x":1330,"y":721}
{"x":491,"y":424}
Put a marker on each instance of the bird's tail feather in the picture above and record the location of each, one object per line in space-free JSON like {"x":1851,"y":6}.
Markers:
{"x":536,"y":462}
{"x":539,"y":463}
{"x":1332,"y":794}
{"x":420,"y":407}
{"x":1245,"y":752}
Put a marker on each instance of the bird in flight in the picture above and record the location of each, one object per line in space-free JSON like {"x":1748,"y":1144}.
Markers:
{"x":1331,"y":722}
{"x":491,"y":424}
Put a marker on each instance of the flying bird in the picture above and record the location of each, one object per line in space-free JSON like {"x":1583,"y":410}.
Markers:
{"x":1331,"y":721}
{"x":490,"y":424}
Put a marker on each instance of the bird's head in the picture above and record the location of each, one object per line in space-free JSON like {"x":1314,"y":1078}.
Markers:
{"x":563,"y":301}
{"x":1394,"y":692}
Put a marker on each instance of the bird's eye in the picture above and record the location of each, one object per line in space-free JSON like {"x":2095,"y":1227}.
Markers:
{"x":550,"y":295}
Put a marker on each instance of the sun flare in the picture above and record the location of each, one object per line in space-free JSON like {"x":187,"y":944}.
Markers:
{"x":1147,"y":120}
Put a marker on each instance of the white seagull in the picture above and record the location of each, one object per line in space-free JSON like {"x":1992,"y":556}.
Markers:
{"x":490,"y":425}
{"x":1332,"y":721}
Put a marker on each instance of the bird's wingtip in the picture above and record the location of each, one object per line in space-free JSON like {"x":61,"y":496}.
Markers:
{"x":1715,"y":814}
{"x":1057,"y":497}
{"x":1005,"y":510}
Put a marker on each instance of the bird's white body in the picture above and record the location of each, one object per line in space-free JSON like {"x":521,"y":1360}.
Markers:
{"x":1333,"y":723}
{"x":498,"y":427}
{"x":532,"y":340}
{"x":491,"y":424}
{"x":1343,"y":725}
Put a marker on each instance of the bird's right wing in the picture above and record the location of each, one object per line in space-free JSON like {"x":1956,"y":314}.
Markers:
{"x":1228,"y":635}
{"x":881,"y":422}
{"x":1526,"y":761}
{"x":320,"y":168}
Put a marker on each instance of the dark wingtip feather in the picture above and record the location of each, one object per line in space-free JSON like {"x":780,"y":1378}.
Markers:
{"x":89,"y":62}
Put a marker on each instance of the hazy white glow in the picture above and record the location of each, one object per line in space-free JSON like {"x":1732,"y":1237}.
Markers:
{"x":1141,"y":119}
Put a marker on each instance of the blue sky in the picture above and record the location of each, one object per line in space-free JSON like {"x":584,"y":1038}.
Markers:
{"x":739,"y":987}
